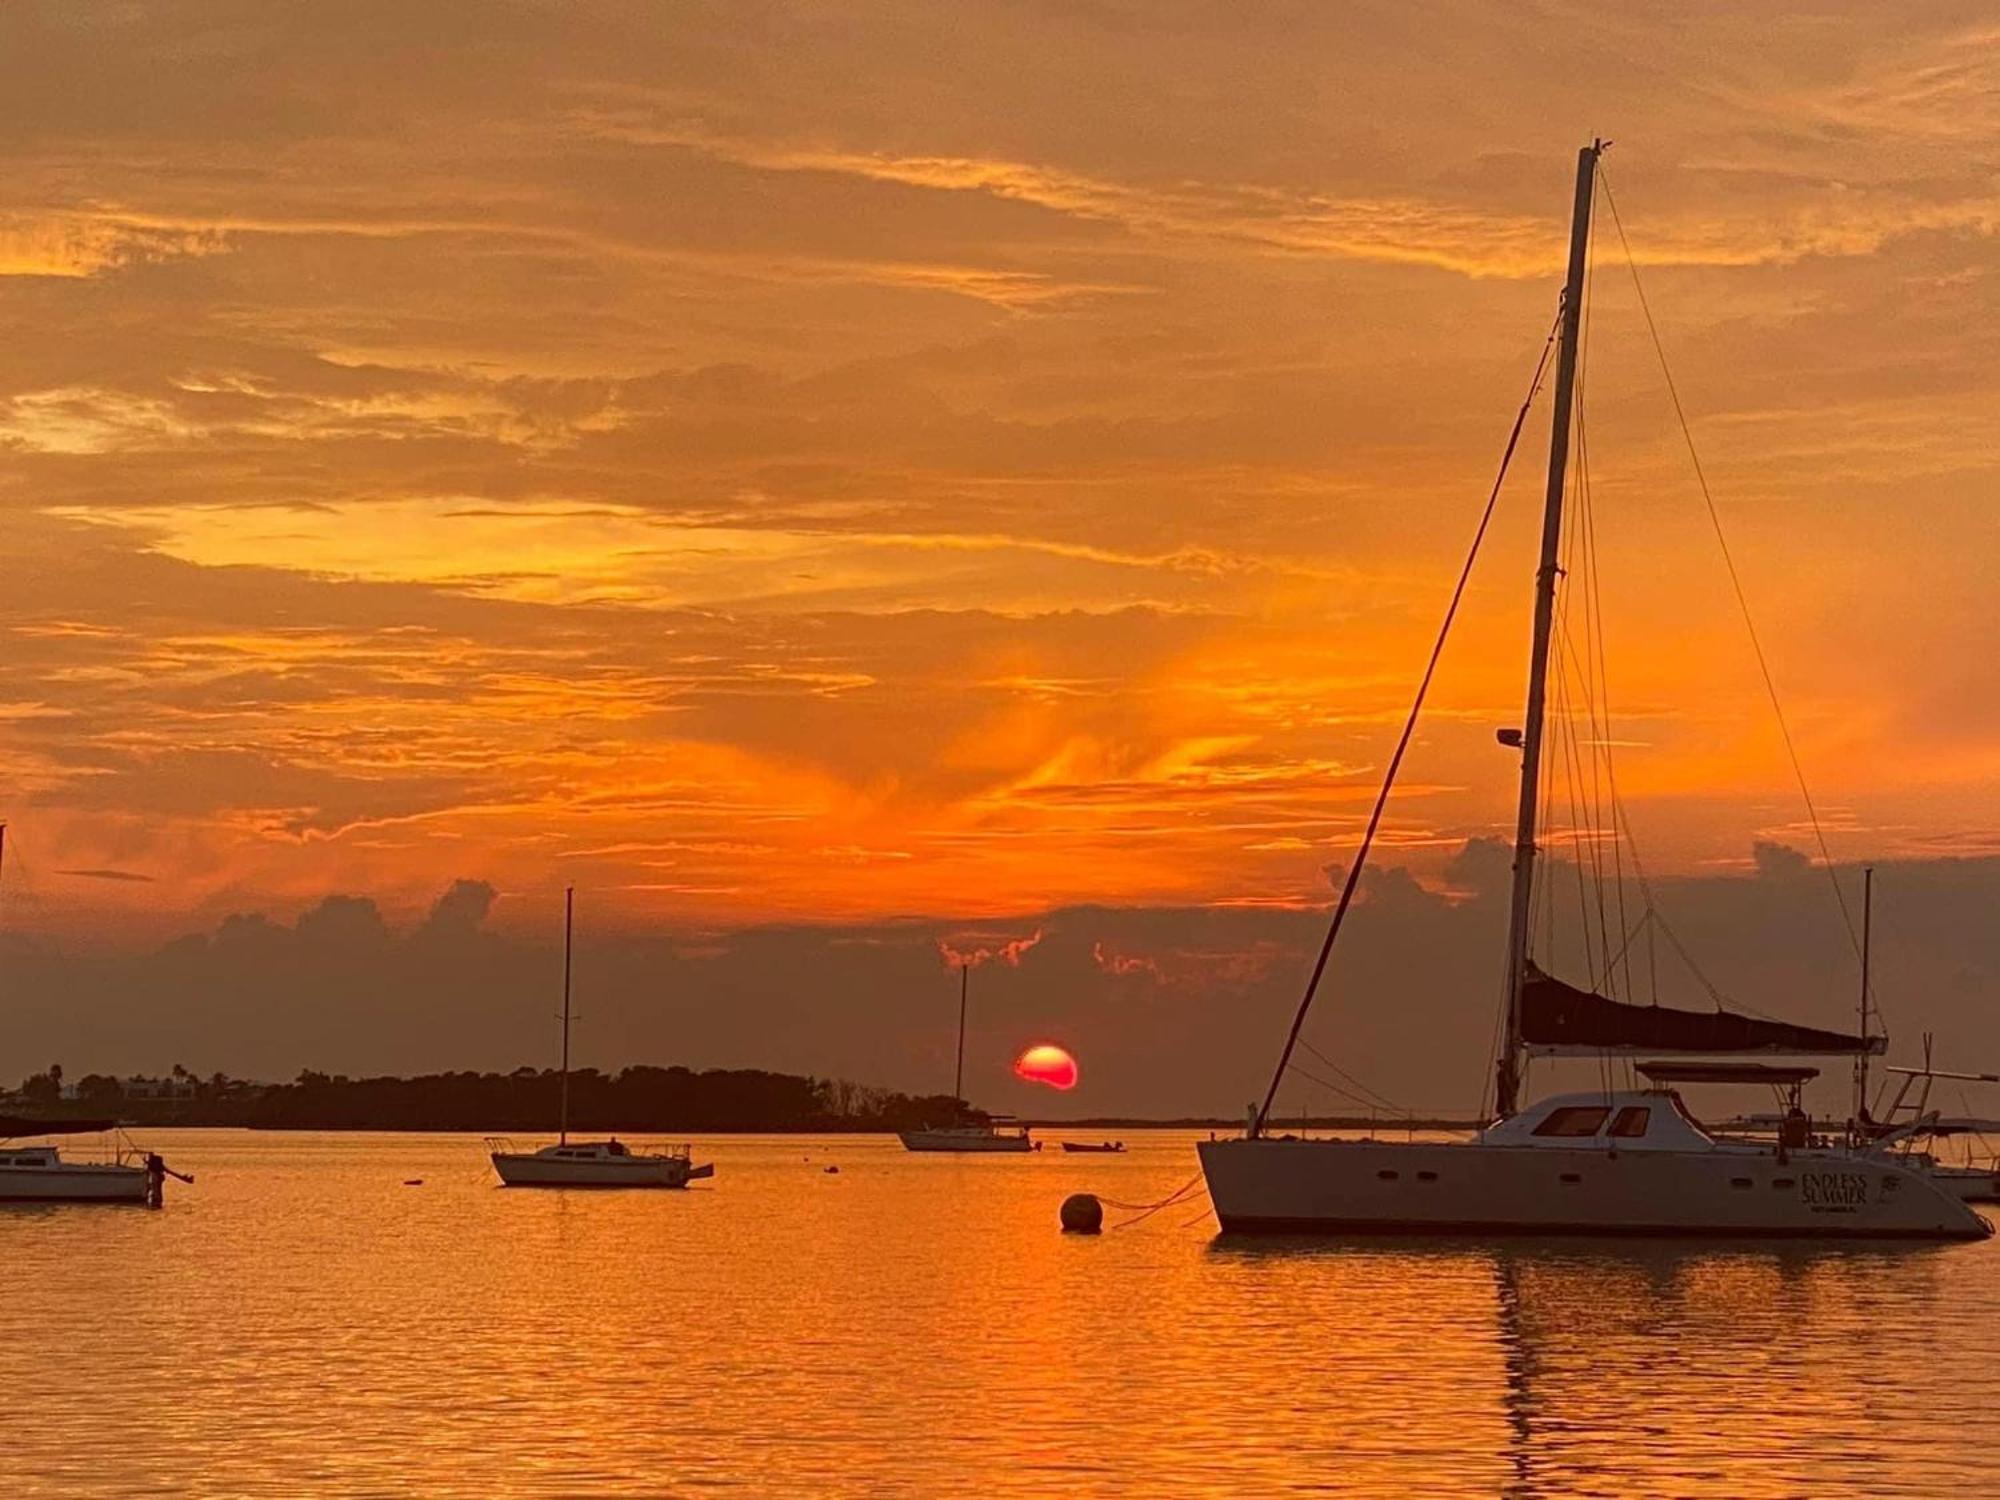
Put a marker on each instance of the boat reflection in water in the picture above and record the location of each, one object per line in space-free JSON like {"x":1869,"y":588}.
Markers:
{"x":1566,"y":1366}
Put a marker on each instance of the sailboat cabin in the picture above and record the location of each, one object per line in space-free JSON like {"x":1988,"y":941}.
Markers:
{"x":1652,"y":1120}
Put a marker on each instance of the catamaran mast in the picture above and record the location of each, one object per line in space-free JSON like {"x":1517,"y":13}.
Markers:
{"x":1508,"y":1084}
{"x":1861,"y":1057}
{"x":569,"y":914}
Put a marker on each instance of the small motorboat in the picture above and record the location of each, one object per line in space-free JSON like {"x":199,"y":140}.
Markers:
{"x":1106,"y":1148}
{"x":41,"y":1173}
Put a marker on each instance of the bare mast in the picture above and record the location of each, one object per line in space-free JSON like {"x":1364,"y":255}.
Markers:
{"x":958,"y":1078}
{"x":569,"y":915}
{"x":1861,"y":1057}
{"x":1508,"y":1081}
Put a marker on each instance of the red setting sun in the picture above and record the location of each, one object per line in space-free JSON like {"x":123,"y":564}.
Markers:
{"x":1049,"y":1064}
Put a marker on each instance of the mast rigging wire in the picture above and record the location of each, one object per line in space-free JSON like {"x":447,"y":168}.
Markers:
{"x":1403,"y":741}
{"x":1729,"y":562}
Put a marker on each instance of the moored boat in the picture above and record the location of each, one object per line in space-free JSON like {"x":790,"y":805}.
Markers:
{"x":994,"y":1133}
{"x":1612,"y":1160}
{"x":599,"y":1164}
{"x":1107,"y":1148}
{"x":1603,"y":1162}
{"x":589,"y":1164}
{"x":38,"y":1174}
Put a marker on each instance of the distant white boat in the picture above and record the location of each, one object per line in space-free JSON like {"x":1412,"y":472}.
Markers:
{"x":1910,"y":1131}
{"x":591,"y":1164}
{"x":996,"y":1134}
{"x":990,"y":1137}
{"x":599,"y":1164}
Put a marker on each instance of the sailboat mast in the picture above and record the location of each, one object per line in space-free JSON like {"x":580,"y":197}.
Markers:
{"x":569,"y":919}
{"x":958,"y":1078}
{"x":1508,"y":1084}
{"x":1861,"y":1057}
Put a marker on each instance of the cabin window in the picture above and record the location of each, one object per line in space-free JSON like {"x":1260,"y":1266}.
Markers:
{"x":1427,"y":1177}
{"x":1572,"y":1177}
{"x":1740,"y":1182}
{"x":1784,"y":1182}
{"x":1574,"y":1120}
{"x":1631,"y":1122}
{"x":1387,"y":1175}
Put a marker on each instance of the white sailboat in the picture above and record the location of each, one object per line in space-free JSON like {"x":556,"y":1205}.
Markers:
{"x":997,"y":1134}
{"x":1607,"y":1161}
{"x":591,"y":1164}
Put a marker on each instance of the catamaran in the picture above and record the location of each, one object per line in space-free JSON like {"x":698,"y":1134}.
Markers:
{"x":1608,"y":1160}
{"x":592,"y":1164}
{"x":997,"y":1133}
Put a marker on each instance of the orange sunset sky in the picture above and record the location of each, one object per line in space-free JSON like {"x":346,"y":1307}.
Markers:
{"x":781,"y":462}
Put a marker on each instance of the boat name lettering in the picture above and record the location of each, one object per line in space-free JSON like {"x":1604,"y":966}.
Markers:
{"x":1835,"y":1192}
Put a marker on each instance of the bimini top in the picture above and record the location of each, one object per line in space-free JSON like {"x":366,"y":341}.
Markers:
{"x":1559,"y":1018}
{"x":1726,"y":1072}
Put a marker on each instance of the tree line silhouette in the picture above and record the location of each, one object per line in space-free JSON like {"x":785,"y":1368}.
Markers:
{"x":636,"y":1099}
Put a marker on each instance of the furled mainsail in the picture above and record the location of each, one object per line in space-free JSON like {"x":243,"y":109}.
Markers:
{"x":1558,"y":1017}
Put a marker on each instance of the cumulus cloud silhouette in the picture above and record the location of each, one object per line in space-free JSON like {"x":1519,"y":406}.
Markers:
{"x":1180,"y":1008}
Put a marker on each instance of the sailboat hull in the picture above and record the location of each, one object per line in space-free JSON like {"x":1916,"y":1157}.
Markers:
{"x":1968,"y":1184}
{"x":969,"y":1138}
{"x":73,"y":1182}
{"x":1279,"y":1186}
{"x":520,"y":1169}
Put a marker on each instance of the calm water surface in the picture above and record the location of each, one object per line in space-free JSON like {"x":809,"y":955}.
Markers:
{"x":301,"y":1323}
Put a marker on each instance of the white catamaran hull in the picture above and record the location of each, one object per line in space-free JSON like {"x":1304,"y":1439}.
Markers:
{"x":73,"y":1182}
{"x":964,"y":1140}
{"x":1349,"y":1187}
{"x":525,"y":1170}
{"x":1968,"y":1184}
